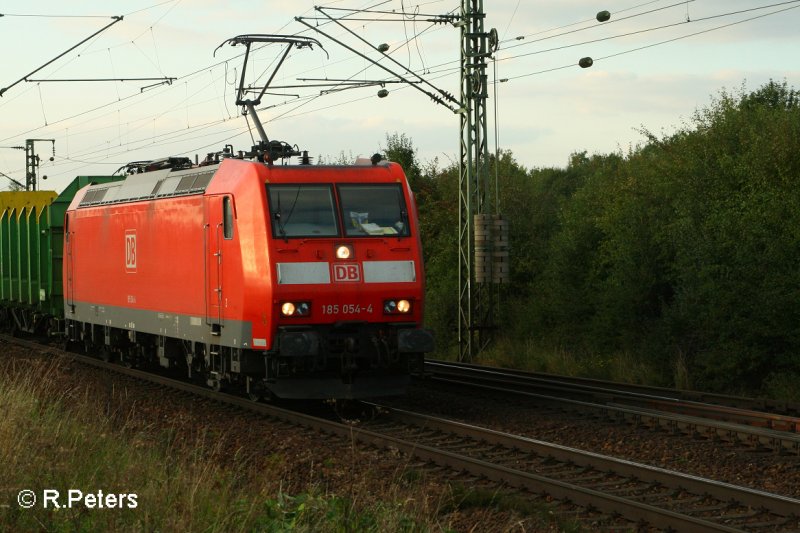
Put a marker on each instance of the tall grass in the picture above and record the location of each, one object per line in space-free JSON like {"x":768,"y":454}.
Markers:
{"x":57,"y":438}
{"x":619,"y":366}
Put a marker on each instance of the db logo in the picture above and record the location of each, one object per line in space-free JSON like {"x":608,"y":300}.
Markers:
{"x":346,"y":272}
{"x":130,"y":251}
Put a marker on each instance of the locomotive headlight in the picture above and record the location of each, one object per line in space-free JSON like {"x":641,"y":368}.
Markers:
{"x":396,"y":307}
{"x":344,"y":251}
{"x":295,"y":309}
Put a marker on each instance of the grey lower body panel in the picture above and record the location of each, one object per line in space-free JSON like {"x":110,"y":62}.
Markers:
{"x":195,"y":328}
{"x":319,"y":362}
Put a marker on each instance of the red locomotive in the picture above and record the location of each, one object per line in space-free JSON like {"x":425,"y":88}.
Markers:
{"x":293,"y":281}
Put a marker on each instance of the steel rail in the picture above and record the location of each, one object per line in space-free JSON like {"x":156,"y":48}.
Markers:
{"x":587,"y":497}
{"x":690,"y":418}
{"x":785,"y":506}
{"x":766,"y":405}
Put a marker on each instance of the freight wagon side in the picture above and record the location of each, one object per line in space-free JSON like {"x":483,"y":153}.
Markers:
{"x":31,"y":242}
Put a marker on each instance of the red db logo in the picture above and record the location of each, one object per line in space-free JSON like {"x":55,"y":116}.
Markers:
{"x":130,"y":250}
{"x":346,"y":272}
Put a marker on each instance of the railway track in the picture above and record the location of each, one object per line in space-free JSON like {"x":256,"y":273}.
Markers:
{"x":766,"y":405}
{"x":642,"y":495}
{"x":654,"y":407}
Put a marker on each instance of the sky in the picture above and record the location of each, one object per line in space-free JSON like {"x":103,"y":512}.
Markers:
{"x":655,"y":64}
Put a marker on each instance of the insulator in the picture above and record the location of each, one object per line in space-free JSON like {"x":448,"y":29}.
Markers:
{"x":603,"y":16}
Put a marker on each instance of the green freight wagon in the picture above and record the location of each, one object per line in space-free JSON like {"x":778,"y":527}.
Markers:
{"x":31,"y":250}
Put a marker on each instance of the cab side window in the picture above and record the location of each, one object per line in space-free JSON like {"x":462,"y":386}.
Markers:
{"x":227,"y":218}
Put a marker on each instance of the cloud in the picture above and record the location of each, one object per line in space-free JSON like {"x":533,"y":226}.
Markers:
{"x":541,"y":117}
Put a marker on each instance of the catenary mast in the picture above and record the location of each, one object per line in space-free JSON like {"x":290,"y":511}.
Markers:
{"x":479,"y":225}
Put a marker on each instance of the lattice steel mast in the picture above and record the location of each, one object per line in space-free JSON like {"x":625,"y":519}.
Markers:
{"x":483,"y":237}
{"x":477,"y":301}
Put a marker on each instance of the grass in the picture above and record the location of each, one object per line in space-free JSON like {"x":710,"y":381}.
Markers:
{"x":464,"y":497}
{"x":783,"y":386}
{"x":48,"y":441}
{"x":620,"y":366}
{"x":56,"y":438}
{"x":530,"y":356}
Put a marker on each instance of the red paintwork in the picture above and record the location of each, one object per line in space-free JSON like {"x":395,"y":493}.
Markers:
{"x":175,"y":250}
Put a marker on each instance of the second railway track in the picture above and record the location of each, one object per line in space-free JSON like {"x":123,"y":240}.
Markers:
{"x":641,"y":405}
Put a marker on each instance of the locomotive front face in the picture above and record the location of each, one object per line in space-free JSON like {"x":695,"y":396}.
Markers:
{"x":358,"y":262}
{"x":348,"y":281}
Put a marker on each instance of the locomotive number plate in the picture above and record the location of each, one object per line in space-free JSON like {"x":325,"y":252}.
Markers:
{"x":346,"y":309}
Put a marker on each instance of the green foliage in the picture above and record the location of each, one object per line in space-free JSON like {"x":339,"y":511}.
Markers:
{"x":690,"y":246}
{"x":400,"y":149}
{"x":436,"y":195}
{"x":308,"y":512}
{"x":682,"y":253}
{"x":481,"y":498}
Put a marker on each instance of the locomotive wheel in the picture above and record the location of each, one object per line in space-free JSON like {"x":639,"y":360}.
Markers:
{"x":105,"y":354}
{"x":353,"y":412}
{"x":126,"y":357}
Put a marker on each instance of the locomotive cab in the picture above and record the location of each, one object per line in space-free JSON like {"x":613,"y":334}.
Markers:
{"x":349,"y":282}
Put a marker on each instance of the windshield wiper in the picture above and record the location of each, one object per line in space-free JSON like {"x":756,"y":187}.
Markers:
{"x":277,"y":216}
{"x":282,"y":223}
{"x":403,"y":215}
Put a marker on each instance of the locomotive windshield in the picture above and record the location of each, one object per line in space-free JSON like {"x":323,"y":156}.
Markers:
{"x":302,"y":211}
{"x":373,"y":210}
{"x":365,"y":210}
